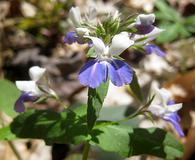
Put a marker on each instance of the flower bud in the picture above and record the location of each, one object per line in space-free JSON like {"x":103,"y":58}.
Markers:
{"x":75,"y":16}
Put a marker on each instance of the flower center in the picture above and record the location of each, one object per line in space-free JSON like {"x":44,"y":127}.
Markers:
{"x":105,"y":55}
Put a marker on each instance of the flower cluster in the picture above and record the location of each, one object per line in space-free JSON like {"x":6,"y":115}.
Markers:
{"x":109,"y":38}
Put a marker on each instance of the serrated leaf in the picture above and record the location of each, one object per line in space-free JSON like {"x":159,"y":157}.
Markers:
{"x":128,"y":141}
{"x":53,"y":127}
{"x":94,"y":104}
{"x":135,"y":88}
{"x":8,"y":96}
{"x":6,"y":134}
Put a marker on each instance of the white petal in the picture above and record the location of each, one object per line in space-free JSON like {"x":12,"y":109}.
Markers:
{"x":29,"y":87}
{"x":75,"y":16}
{"x":92,"y":13}
{"x":155,"y":32}
{"x":120,"y":42}
{"x":149,"y":37}
{"x":145,"y":19}
{"x":115,"y":14}
{"x":36,"y":73}
{"x":157,"y":110}
{"x":164,"y":95}
{"x":174,"y":107}
{"x":98,"y":45}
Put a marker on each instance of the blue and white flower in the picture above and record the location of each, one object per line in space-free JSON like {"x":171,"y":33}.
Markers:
{"x":76,"y":37}
{"x":149,"y":48}
{"x":165,"y":108}
{"x":144,"y":23}
{"x":32,"y":89}
{"x":75,"y":17}
{"x":148,"y":32}
{"x":96,"y":71}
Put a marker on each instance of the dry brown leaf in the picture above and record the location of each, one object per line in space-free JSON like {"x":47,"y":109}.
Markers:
{"x":183,"y":87}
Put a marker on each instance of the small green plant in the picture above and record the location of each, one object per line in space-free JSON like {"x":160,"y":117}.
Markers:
{"x":176,"y":25}
{"x":107,"y":39}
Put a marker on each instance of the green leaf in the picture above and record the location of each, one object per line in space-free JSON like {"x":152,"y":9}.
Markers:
{"x":91,"y":53}
{"x":118,"y":57}
{"x":155,"y":141}
{"x":8,"y":96}
{"x":6,"y":134}
{"x":112,"y":138}
{"x":27,"y":23}
{"x":190,"y":20}
{"x":127,"y":141}
{"x":135,"y":89}
{"x":183,"y":32}
{"x":171,"y":33}
{"x":167,"y":12}
{"x":53,"y":127}
{"x":74,"y":156}
{"x":94,"y":104}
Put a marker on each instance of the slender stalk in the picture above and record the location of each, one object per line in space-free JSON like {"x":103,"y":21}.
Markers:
{"x":129,"y":117}
{"x":139,"y":111}
{"x":86,"y":151}
{"x":136,"y":113}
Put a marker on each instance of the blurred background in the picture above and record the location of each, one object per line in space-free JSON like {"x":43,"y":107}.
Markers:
{"x":31,"y":33}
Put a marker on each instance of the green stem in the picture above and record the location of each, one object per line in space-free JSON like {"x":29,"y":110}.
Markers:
{"x":128,"y":118}
{"x":136,"y":113}
{"x":86,"y":151}
{"x":139,"y":111}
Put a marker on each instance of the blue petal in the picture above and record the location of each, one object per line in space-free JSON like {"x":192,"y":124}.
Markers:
{"x":174,"y":120}
{"x":176,"y":116}
{"x":93,"y":73}
{"x":144,"y":29}
{"x":170,"y":102}
{"x":19,"y":104}
{"x":70,"y":38}
{"x":90,"y":44}
{"x":150,"y":48}
{"x":120,"y":72}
